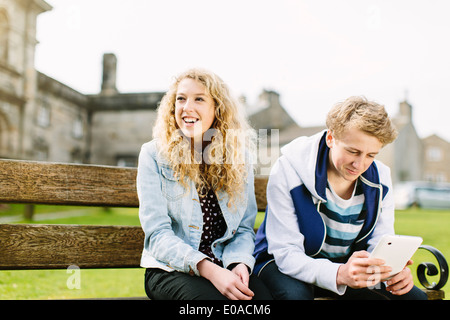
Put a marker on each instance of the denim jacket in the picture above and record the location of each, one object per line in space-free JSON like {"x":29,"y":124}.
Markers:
{"x":172,"y":219}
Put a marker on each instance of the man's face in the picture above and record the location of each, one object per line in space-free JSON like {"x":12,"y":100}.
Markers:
{"x":352,"y":153}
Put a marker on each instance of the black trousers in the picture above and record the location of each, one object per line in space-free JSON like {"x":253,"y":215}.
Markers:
{"x":283,"y":287}
{"x":163,"y":285}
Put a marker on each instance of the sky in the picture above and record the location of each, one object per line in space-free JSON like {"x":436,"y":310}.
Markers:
{"x":314,"y":53}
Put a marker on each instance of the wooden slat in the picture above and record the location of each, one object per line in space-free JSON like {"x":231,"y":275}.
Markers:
{"x":24,"y":246}
{"x":67,"y":184}
{"x":75,"y":184}
{"x":435,"y":294}
{"x":260,"y":193}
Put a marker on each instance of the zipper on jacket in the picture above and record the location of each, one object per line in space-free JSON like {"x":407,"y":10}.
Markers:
{"x":380,"y":202}
{"x":324,"y":229}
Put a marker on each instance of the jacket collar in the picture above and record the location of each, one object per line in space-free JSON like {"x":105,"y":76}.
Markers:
{"x":370,"y":177}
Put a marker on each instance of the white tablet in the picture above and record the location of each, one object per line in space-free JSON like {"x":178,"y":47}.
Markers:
{"x":396,"y":250}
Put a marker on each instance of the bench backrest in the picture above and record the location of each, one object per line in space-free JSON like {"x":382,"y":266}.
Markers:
{"x":37,"y":246}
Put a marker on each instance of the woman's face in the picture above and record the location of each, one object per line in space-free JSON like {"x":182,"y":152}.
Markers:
{"x":194,"y":108}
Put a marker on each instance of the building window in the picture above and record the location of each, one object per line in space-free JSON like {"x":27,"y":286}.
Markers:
{"x":78,"y":128}
{"x":41,"y":150}
{"x":434,"y":154}
{"x":43,"y":115}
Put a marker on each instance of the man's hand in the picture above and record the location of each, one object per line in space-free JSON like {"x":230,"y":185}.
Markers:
{"x":360,"y":271}
{"x":402,"y":282}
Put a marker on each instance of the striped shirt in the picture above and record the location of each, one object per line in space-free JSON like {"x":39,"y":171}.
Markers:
{"x":344,"y":220}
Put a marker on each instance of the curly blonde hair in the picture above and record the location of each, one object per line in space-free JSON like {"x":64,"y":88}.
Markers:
{"x":368,"y":116}
{"x":224,"y":163}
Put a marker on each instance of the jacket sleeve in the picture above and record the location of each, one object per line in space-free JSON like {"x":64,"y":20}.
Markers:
{"x":160,"y":241}
{"x":240,"y":248}
{"x":385,"y":223}
{"x":285,"y":241}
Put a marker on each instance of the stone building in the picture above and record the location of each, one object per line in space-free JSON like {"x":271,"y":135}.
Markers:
{"x":18,"y":77}
{"x":44,"y":119}
{"x":405,"y":155}
{"x":409,"y":157}
{"x":437,"y":159}
{"x":106,"y":128}
{"x":119,"y":123}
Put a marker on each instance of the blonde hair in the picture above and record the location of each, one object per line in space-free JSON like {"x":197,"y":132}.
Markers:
{"x":224,"y":166}
{"x":368,"y":116}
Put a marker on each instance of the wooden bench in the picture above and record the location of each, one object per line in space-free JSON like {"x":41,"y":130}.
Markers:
{"x":38,"y":246}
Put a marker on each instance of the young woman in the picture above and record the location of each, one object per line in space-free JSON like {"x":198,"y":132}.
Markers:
{"x":329,"y":202}
{"x":196,"y":191}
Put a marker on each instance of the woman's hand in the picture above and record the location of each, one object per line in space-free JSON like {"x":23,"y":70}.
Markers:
{"x":241,"y":271}
{"x":232,"y":284}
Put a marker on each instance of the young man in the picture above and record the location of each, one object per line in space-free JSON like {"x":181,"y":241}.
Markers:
{"x":329,"y":202}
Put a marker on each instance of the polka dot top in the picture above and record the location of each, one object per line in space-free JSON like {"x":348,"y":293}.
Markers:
{"x":214,"y":225}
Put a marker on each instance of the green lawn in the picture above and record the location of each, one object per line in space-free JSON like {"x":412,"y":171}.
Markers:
{"x":431,"y":225}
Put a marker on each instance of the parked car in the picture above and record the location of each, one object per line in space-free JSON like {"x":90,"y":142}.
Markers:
{"x":422,"y":194}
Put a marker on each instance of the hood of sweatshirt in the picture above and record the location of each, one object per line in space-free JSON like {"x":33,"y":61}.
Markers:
{"x":308,"y":156}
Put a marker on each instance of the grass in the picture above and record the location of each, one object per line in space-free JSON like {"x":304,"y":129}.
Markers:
{"x":7,"y":210}
{"x":431,"y":225}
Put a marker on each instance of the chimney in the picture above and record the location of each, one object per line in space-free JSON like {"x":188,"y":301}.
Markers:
{"x":405,"y":112}
{"x":109,"y":74}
